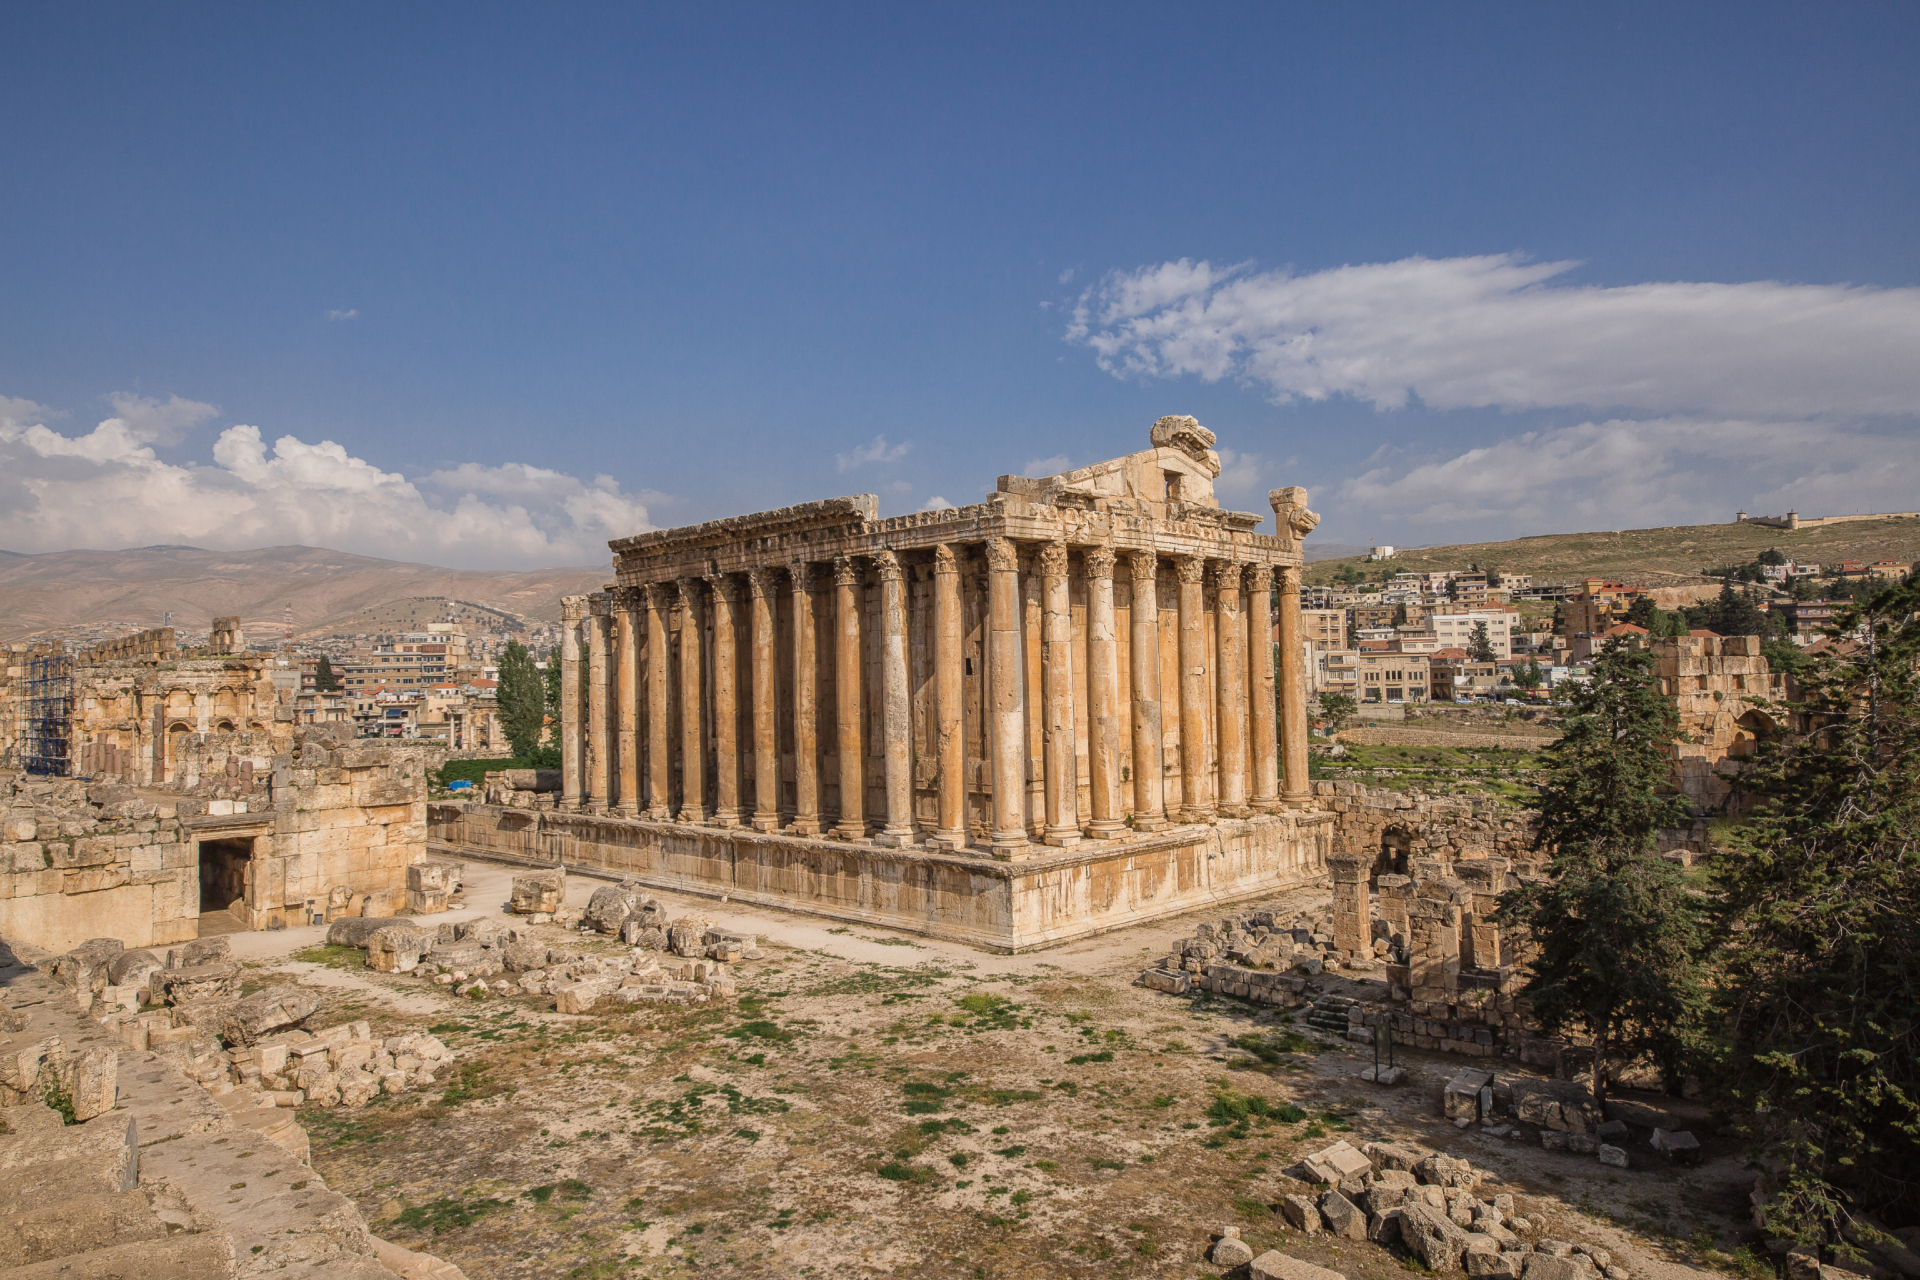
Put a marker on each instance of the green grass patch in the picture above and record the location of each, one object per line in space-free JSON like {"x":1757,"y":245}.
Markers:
{"x":448,"y":1215}
{"x":333,"y":957}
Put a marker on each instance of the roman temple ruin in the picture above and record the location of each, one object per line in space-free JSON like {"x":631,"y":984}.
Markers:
{"x":1044,"y":715}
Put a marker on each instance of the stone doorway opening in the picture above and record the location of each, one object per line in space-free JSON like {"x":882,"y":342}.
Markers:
{"x":223,"y":872}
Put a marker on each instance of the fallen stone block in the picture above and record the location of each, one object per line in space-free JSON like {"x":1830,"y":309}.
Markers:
{"x":214,"y":980}
{"x":1231,"y":1250}
{"x":613,"y":905}
{"x":267,"y":1013}
{"x":1545,"y":1266}
{"x":1613,"y":1157}
{"x":1446,"y":1171}
{"x":1343,"y":1217}
{"x":1384,"y":1076}
{"x":199,"y":951}
{"x":1496,"y":1266}
{"x":1337,"y":1163}
{"x":579,"y":997}
{"x":79,"y":1225}
{"x":1432,"y":1237}
{"x":1301,"y":1214}
{"x":1394,"y":1155}
{"x":353,"y":931}
{"x":1461,"y":1097}
{"x":1384,"y":1228}
{"x":398,"y":948}
{"x":132,"y":968}
{"x":1274,"y":1265}
{"x":524,"y":957}
{"x":1678,"y":1146}
{"x":539,"y":894}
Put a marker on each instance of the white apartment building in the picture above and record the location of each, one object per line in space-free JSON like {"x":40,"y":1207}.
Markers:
{"x":1455,"y":630}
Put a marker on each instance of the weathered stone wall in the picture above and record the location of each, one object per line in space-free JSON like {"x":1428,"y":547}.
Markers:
{"x":1718,"y":685}
{"x":1002,"y":906}
{"x":1395,"y":827}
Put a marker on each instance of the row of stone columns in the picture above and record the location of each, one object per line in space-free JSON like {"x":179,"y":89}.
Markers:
{"x":1241,"y":694}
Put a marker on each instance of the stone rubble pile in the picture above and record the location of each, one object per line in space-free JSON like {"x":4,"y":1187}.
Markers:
{"x":1253,"y":956}
{"x":1565,"y":1113}
{"x":1423,"y":1203}
{"x":187,"y":1008}
{"x":487,"y":957}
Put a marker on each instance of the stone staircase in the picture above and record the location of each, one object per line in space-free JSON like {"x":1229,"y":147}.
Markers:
{"x":1328,"y":1013}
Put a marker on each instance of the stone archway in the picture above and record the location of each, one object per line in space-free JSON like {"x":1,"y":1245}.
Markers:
{"x":1397,"y":845}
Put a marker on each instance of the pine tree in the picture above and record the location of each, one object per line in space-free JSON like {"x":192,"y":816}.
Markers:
{"x":1619,"y":935}
{"x":1480,"y":646}
{"x":522,"y":700}
{"x":324,"y":679}
{"x":1819,"y":1045}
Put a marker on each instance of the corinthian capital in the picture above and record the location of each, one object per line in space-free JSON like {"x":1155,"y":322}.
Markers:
{"x":1001,"y":556}
{"x":1099,"y":562}
{"x":1191,"y":570}
{"x":1053,"y":559}
{"x":887,"y":565}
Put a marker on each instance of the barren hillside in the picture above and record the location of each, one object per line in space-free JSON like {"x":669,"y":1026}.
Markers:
{"x":1668,"y":557}
{"x":329,"y":590}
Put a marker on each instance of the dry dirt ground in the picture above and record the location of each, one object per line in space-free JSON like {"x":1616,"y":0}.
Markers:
{"x":883,"y":1105}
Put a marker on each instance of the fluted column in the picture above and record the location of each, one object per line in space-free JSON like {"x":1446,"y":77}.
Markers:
{"x":572,"y":609}
{"x":626,"y":680}
{"x":848,"y":745}
{"x":660,"y":597}
{"x":948,"y":694}
{"x":600,"y":641}
{"x":726,"y":702}
{"x":1230,"y":691}
{"x":693,"y":701}
{"x":766,"y":737}
{"x":1103,"y":697}
{"x":1260,"y":691}
{"x":1149,"y":773}
{"x":1008,"y":714}
{"x":1056,"y":662}
{"x":896,"y":707}
{"x":1193,"y":689}
{"x":1033,"y":631}
{"x":1297,"y":792}
{"x":806,"y":740}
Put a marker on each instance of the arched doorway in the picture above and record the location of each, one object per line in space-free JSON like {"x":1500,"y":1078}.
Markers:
{"x":1396,"y":847}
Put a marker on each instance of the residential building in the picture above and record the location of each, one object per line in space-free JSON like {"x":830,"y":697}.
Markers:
{"x":1335,"y":671}
{"x":1453,"y":627}
{"x":1598,"y":605}
{"x":1806,"y":618}
{"x":1321,"y":628}
{"x":1392,"y":677}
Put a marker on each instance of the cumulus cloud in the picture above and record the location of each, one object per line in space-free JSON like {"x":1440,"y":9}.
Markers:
{"x":936,"y":503}
{"x":1039,"y":467}
{"x":879,"y":451}
{"x":1493,"y":331}
{"x":1620,"y":474}
{"x":349,"y":313}
{"x":107,"y":489}
{"x":153,"y":421}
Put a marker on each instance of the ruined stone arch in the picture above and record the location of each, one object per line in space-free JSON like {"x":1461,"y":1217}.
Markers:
{"x":1397,"y":845}
{"x":173,"y":767}
{"x":1748,"y":732}
{"x":224,"y":726}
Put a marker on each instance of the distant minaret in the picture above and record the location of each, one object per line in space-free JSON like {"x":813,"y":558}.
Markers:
{"x":286,"y":639}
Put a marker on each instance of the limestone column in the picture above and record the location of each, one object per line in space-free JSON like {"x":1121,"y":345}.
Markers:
{"x":766,"y":739}
{"x":1260,"y":691}
{"x":1149,"y":773}
{"x":660,"y":597}
{"x":1352,"y":917}
{"x":948,"y":695}
{"x":846,"y":687}
{"x":572,"y":608}
{"x":626,"y":679}
{"x":600,"y":643}
{"x":1193,"y":688}
{"x":806,"y":741}
{"x":1008,"y":712}
{"x":896,"y":707}
{"x":1103,"y":699}
{"x":726,"y":702}
{"x":1033,"y":695}
{"x":1230,"y":691}
{"x":693,"y":699}
{"x":1298,"y":792}
{"x":1056,"y":679}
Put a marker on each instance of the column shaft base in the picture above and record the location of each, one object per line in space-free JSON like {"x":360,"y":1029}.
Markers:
{"x":1105,"y":829}
{"x":1063,"y":837}
{"x":1298,"y":799}
{"x":1199,"y":813}
{"x":659,"y":813}
{"x":1266,"y":805}
{"x":849,"y":831}
{"x":766,"y":824}
{"x":1149,"y":822}
{"x":626,"y":811}
{"x":1007,"y":845}
{"x":726,"y":818}
{"x":949,"y":841}
{"x":803,"y":826}
{"x":691,"y":816}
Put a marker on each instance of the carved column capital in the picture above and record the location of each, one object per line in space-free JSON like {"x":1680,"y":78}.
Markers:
{"x":1191,"y":570}
{"x":572,"y":608}
{"x":1053,"y":559}
{"x":844,"y":574}
{"x":1002,"y":555}
{"x":944,"y":559}
{"x":1226,"y":581}
{"x":690,"y":592}
{"x":887,"y":565}
{"x":800,"y":573}
{"x":725,"y":586}
{"x":1260,"y":577}
{"x":1099,"y":562}
{"x":660,"y":595}
{"x":600,"y":604}
{"x":764,"y":580}
{"x":629,"y":599}
{"x":1145,"y":565}
{"x":1287,"y":578}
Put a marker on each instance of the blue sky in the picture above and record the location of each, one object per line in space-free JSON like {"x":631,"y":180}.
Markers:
{"x":484,"y":286}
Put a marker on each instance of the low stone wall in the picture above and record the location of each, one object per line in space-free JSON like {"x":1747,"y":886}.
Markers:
{"x":1443,"y":738}
{"x":1053,"y":897}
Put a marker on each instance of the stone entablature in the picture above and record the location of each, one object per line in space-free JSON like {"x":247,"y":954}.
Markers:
{"x":1080,"y":657}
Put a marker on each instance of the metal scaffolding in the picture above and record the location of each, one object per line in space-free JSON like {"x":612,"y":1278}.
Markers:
{"x":49,"y":716}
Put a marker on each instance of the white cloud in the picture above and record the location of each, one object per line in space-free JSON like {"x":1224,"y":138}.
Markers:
{"x":1623,"y":474}
{"x":1066,"y":277}
{"x":1039,"y":467}
{"x":350,"y":313}
{"x":107,"y":489}
{"x":154,"y":421}
{"x":879,"y":451}
{"x":936,"y":503}
{"x":1492,"y":332}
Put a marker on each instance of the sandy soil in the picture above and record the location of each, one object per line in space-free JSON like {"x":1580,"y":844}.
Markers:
{"x":885,"y":1105}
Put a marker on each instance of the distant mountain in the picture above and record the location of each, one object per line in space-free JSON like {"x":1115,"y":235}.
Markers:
{"x":329,"y":590}
{"x":1333,"y":550}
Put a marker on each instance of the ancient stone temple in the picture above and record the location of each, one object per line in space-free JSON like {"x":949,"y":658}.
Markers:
{"x":1049,"y":713}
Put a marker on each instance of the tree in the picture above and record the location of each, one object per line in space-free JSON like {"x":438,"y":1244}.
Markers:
{"x":522,"y":700}
{"x":1819,"y":989}
{"x":1619,"y":936}
{"x":1480,"y":646}
{"x":1530,"y":677}
{"x":324,"y":679}
{"x":1772,"y":556}
{"x":551,"y":690}
{"x":1643,"y":612}
{"x":1336,"y":709}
